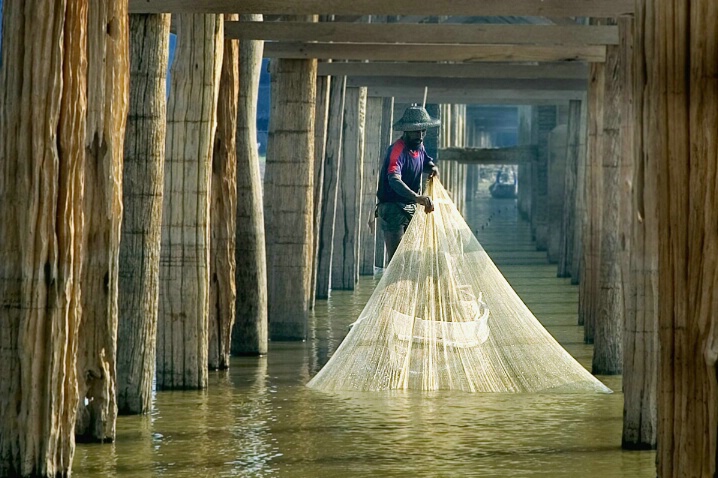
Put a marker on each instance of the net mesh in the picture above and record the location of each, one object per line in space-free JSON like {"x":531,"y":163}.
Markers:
{"x":443,"y":317}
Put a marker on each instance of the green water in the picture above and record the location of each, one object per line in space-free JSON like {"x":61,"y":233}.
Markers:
{"x":259,"y":420}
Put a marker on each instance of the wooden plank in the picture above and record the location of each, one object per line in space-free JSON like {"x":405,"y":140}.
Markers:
{"x":409,"y":52}
{"x":424,"y":33}
{"x":515,"y":155}
{"x":403,"y":94}
{"x":543,"y":8}
{"x":468,"y":83}
{"x":558,"y":70}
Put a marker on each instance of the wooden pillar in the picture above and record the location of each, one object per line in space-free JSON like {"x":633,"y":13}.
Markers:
{"x":525,"y":137}
{"x":373,"y":158}
{"x":289,"y":195}
{"x":545,"y":122}
{"x":142,"y":185}
{"x":387,"y":131}
{"x":555,"y":198}
{"x":320,"y":148}
{"x":613,"y":274}
{"x":678,"y":50}
{"x":184,"y":256}
{"x":250,"y":331}
{"x":42,"y":151}
{"x":223,"y":210}
{"x":640,"y":333}
{"x":590,"y":249}
{"x":345,"y":271}
{"x":581,"y":211}
{"x":332,"y":170}
{"x":107,"y":99}
{"x":568,"y":212}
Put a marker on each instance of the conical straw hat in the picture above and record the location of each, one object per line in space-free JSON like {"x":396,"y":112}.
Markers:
{"x":415,"y":118}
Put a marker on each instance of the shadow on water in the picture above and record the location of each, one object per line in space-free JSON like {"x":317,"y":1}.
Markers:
{"x":259,"y":420}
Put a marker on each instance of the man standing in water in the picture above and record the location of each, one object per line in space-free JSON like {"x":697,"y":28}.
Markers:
{"x":399,"y":188}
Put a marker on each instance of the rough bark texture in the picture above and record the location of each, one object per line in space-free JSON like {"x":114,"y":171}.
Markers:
{"x":568,"y":219}
{"x":223,"y":210}
{"x":142,"y":185}
{"x":42,"y":150}
{"x":613,"y":273}
{"x":680,"y":52}
{"x":332,"y":169}
{"x":345,"y":268}
{"x":107,"y":105}
{"x":373,"y":157}
{"x":556,"y":185}
{"x":320,"y":148}
{"x":387,"y":121}
{"x":591,"y":234}
{"x":288,"y":196}
{"x":640,"y":333}
{"x":184,"y":256}
{"x":249,"y":334}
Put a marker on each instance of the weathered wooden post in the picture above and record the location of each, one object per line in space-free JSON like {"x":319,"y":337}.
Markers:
{"x":640,"y":332}
{"x":43,"y":88}
{"x":182,"y":330}
{"x":321,"y":125}
{"x":289,"y":196}
{"x":250,"y":331}
{"x":387,"y":122}
{"x":615,"y":164}
{"x":223,"y":211}
{"x":142,"y":185}
{"x":107,"y":99}
{"x":373,"y":158}
{"x":345,"y":254}
{"x":581,"y":215}
{"x":525,"y":138}
{"x":556,"y":177}
{"x":545,"y":122}
{"x":679,"y":52}
{"x":330,"y":188}
{"x":568,"y":212}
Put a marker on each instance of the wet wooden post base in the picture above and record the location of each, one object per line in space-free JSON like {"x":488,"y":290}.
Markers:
{"x":182,"y":329}
{"x":142,"y":192}
{"x":250,"y":331}
{"x":289,"y":196}
{"x":332,"y":168}
{"x":223,"y":211}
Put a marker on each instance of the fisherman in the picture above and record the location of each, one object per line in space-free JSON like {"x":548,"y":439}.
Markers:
{"x":399,"y":189}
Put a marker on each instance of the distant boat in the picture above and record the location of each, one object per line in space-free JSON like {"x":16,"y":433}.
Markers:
{"x":505,"y":186}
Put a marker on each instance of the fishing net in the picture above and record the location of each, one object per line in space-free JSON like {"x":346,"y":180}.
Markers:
{"x":443,"y":317}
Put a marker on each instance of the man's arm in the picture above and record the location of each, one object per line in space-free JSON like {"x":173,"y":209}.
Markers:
{"x":405,"y":191}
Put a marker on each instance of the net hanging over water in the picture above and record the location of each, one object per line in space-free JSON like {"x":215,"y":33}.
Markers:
{"x":443,"y":317}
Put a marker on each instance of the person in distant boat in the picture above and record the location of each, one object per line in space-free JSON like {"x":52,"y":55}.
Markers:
{"x":399,"y":189}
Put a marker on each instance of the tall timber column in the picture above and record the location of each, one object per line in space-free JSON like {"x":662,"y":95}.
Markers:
{"x":525,"y":137}
{"x":320,"y":148}
{"x":640,"y":332}
{"x":681,"y":111}
{"x":616,"y":166}
{"x":142,"y":184}
{"x":581,"y":215}
{"x":107,"y":105}
{"x":387,"y":123}
{"x":289,"y":196}
{"x":373,"y":158}
{"x":330,"y":188}
{"x":556,"y":178}
{"x":546,"y":117}
{"x":250,"y":331}
{"x":345,"y":256}
{"x":184,"y":258}
{"x":223,"y":210}
{"x":42,"y":150}
{"x":568,"y":212}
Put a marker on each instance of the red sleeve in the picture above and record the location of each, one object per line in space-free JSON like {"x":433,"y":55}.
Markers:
{"x":394,"y":156}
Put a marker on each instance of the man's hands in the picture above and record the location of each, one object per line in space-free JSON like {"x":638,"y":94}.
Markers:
{"x":426,"y":202}
{"x":434,"y":172}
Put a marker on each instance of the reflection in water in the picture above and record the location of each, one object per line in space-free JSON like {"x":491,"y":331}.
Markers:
{"x":259,"y":420}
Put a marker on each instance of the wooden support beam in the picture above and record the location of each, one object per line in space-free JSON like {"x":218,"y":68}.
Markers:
{"x":543,"y":8}
{"x":515,"y":155}
{"x":559,"y":70}
{"x":469,"y":83}
{"x":412,"y":52}
{"x":404,"y":94}
{"x":424,"y":33}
